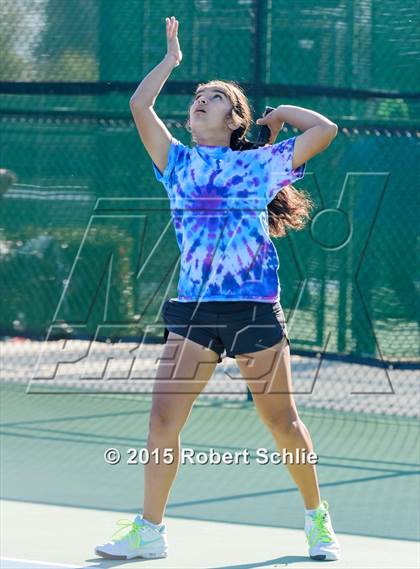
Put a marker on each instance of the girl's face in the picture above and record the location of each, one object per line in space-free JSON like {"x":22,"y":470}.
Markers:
{"x":208,"y":117}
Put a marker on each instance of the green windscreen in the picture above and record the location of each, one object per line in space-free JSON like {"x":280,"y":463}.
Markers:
{"x":87,"y":246}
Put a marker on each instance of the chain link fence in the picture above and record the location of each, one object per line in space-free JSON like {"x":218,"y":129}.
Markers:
{"x":86,"y":246}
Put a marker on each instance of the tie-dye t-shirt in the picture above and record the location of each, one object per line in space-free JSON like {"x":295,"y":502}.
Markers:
{"x":218,"y":200}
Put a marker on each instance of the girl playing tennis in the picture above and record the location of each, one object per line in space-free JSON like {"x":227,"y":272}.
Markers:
{"x":228,"y":196}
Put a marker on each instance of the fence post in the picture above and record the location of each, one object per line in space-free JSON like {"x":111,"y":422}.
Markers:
{"x":260,"y":11}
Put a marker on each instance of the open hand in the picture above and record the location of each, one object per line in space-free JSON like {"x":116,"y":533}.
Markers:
{"x":173,"y":48}
{"x":274,"y":122}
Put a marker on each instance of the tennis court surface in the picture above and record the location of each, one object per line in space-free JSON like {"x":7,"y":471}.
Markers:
{"x":60,"y":498}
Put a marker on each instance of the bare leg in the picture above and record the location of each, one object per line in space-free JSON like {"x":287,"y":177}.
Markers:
{"x":183,"y":372}
{"x":268,"y":375}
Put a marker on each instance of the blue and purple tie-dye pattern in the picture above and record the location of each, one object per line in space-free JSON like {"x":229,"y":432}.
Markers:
{"x":219,"y":199}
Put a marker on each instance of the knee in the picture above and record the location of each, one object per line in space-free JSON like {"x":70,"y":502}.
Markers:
{"x":163,"y":425}
{"x":285,"y":425}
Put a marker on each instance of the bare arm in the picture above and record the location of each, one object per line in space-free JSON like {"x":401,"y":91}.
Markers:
{"x":318,"y":131}
{"x":146,"y":93}
{"x":153,"y":132}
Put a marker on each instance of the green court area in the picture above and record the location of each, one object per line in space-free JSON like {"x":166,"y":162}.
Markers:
{"x":54,"y":447}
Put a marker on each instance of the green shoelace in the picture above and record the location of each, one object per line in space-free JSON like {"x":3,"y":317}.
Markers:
{"x":320,"y":531}
{"x":133,"y":535}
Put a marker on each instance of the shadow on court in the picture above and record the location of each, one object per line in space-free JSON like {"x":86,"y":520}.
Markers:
{"x":284,"y":560}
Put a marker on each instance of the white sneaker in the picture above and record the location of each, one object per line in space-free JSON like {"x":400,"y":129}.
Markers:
{"x":142,"y":540}
{"x":322,"y":541}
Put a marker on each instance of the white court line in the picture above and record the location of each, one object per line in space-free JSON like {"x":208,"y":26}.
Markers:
{"x":14,"y":563}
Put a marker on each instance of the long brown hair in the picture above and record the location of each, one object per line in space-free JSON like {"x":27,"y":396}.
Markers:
{"x":291,"y":207}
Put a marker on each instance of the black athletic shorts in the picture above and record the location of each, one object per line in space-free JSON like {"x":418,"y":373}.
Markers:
{"x":238,"y":327}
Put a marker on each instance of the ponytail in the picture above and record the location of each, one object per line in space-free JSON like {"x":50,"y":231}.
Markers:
{"x":290,"y":208}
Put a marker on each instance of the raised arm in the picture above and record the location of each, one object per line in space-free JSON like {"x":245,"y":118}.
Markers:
{"x":153,"y":132}
{"x":318,"y":131}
